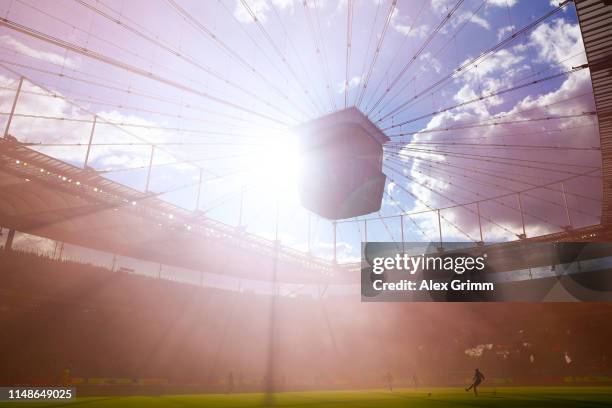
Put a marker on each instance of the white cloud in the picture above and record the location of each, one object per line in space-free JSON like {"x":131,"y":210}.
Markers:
{"x":472,"y":18}
{"x":464,"y":94}
{"x":557,"y":41}
{"x":502,"y":32}
{"x":344,"y":251}
{"x":38,"y":54}
{"x":430,"y":62}
{"x":499,"y":71}
{"x":406,"y":28}
{"x":413,"y":32}
{"x":440,"y":5}
{"x":502,"y":3}
{"x":342,"y":4}
{"x":576,"y":84}
{"x":480,"y":21}
{"x":352,"y":83}
{"x":31,"y":102}
{"x":500,"y":61}
{"x":261,"y":9}
{"x":496,"y":72}
{"x":444,"y":5}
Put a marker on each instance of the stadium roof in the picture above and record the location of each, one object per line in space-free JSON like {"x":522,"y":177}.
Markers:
{"x":49,"y":198}
{"x":595,"y":17}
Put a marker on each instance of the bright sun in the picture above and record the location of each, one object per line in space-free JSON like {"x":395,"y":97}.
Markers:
{"x":273,"y":167}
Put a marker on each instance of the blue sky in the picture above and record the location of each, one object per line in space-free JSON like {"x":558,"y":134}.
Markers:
{"x":272,"y":67}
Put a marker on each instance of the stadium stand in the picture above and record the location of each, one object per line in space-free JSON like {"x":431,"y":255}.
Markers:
{"x":103,"y":330}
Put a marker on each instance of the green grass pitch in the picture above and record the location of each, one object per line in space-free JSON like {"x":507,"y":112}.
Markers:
{"x":539,"y":397}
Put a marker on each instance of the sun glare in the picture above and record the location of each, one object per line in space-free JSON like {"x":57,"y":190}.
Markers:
{"x":273,"y":167}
